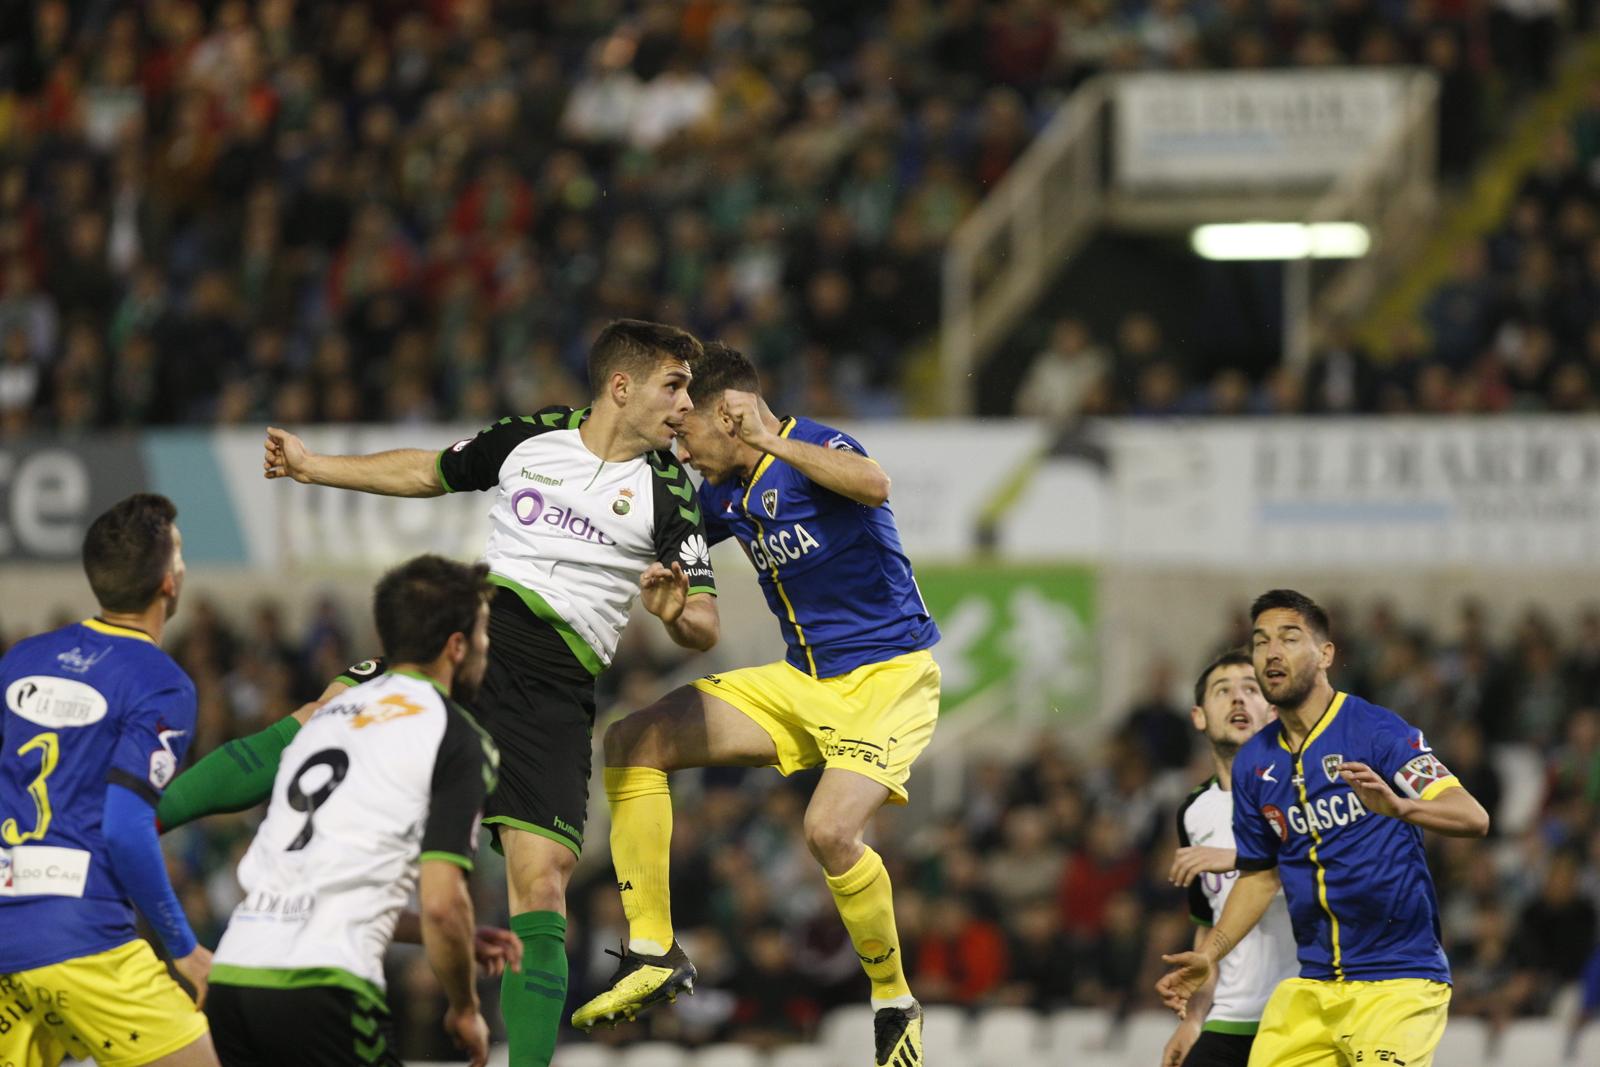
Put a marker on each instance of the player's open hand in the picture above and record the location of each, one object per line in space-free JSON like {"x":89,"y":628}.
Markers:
{"x":1191,"y":862}
{"x":1373,"y":791}
{"x":745,"y":411}
{"x":664,"y":591}
{"x":196,"y":970}
{"x":496,"y":949}
{"x":286,"y":456}
{"x":470,"y":1033}
{"x":1190,"y":970}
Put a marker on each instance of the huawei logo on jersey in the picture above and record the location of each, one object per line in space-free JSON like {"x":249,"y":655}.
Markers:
{"x":392,"y":707}
{"x":694,"y":550}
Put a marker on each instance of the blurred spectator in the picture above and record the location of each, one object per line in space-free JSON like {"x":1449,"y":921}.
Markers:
{"x":1064,"y":375}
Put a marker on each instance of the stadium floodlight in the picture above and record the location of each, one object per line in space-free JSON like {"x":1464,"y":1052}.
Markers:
{"x":1280,"y":240}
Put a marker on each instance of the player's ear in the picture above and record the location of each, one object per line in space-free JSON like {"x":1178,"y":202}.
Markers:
{"x":1326,"y":660}
{"x":456,"y":648}
{"x":1197,"y":715}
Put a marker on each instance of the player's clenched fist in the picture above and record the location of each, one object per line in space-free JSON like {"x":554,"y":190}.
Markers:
{"x":745,"y":411}
{"x":470,"y":1033}
{"x":285,"y":456}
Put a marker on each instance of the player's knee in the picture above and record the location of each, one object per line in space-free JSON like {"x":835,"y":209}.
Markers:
{"x":620,"y":739}
{"x":539,"y":890}
{"x":635,"y":741}
{"x":833,"y":845}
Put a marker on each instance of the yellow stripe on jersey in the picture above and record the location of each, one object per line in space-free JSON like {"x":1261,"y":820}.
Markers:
{"x":117,"y":631}
{"x":1319,"y":728}
{"x":1316,"y":838}
{"x":1440,"y":786}
{"x":761,"y":468}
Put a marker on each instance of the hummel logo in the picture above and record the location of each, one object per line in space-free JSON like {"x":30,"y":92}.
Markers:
{"x":1201,"y":839}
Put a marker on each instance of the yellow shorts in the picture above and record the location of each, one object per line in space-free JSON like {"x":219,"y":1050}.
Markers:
{"x":1310,"y":1023}
{"x":119,"y":1007}
{"x":875,"y":721}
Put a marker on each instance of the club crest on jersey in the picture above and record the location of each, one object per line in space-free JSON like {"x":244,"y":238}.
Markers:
{"x":624,"y":503}
{"x":1330,"y":766}
{"x":769,"y":501}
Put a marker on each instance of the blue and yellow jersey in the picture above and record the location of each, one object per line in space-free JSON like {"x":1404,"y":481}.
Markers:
{"x":1361,"y":900}
{"x":85,"y":705}
{"x":832,"y":570}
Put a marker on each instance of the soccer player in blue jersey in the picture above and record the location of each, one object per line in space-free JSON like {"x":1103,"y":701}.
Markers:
{"x":96,"y":721}
{"x":858,"y":692}
{"x":1330,"y":802}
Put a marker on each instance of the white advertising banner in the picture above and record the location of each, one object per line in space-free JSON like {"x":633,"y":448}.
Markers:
{"x":1249,"y":128}
{"x":1522,"y":492}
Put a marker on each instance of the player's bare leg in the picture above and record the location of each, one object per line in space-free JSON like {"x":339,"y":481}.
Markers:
{"x":836,"y":822}
{"x":686,"y":728}
{"x":537,"y":872}
{"x":197,"y":1053}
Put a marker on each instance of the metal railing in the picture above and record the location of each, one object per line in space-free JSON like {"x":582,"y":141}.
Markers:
{"x":1391,"y":192}
{"x":1002,"y":255}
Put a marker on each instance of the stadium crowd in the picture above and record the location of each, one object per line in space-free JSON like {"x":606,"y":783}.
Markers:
{"x":229,"y":212}
{"x":1046,"y":885}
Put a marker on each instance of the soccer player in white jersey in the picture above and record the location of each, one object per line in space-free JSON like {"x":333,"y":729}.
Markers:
{"x":382,"y":789}
{"x":591,"y":512}
{"x":1220,"y":1025}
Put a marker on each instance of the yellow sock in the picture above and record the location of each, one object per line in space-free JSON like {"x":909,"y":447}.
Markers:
{"x":641,"y":846}
{"x":866,"y":904}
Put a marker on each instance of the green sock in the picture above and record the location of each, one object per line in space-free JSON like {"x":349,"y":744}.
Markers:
{"x":232,"y":778}
{"x":532,"y":1001}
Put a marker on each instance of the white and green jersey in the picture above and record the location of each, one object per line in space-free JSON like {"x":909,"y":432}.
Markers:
{"x":1266,"y":955}
{"x":383,"y":776}
{"x":571,"y":533}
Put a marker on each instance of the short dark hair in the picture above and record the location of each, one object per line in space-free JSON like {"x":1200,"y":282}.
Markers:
{"x":634,"y":346}
{"x":720,"y":368}
{"x":1233,"y":657}
{"x":127,"y":551}
{"x":420,"y":603}
{"x":1291,"y":600}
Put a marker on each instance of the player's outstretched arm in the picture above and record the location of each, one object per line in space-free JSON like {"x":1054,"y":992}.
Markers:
{"x":399,"y":472}
{"x":1247,"y":902}
{"x":447,"y":930}
{"x":1452,"y":811}
{"x":842,"y":471}
{"x":235,"y":776}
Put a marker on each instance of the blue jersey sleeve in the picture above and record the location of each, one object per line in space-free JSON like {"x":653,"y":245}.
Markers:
{"x":135,"y":854}
{"x":154,"y":737}
{"x":1401,"y":754}
{"x":1255,"y":837}
{"x":826,"y":436}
